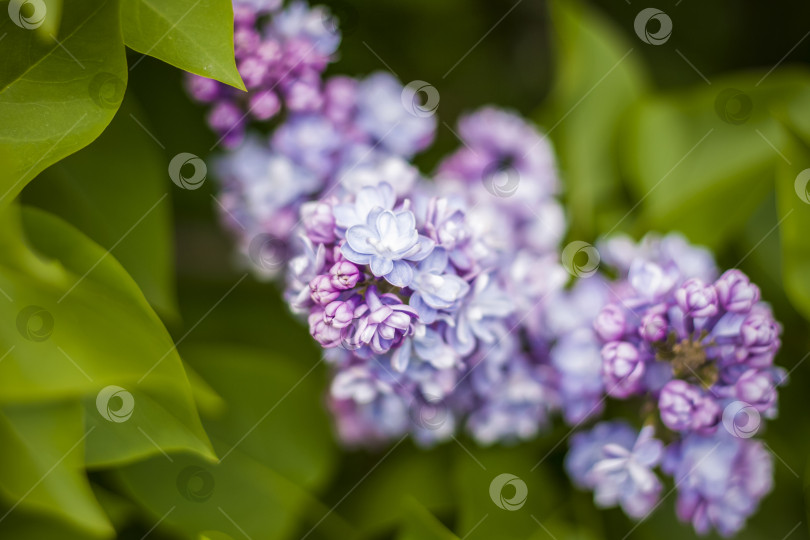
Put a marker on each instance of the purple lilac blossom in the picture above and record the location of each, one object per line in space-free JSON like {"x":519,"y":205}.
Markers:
{"x":720,"y":480}
{"x":691,"y":346}
{"x":280,"y":61}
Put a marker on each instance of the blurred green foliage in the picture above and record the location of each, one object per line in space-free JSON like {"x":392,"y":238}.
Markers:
{"x":696,"y":135}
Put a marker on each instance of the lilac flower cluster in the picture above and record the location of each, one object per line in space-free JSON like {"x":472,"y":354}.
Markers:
{"x":360,"y":135}
{"x":443,"y":305}
{"x":413,"y":305}
{"x":280,"y":55}
{"x":697,"y":351}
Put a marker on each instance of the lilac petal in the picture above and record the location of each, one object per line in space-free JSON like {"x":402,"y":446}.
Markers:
{"x":380,"y":266}
{"x":609,"y":465}
{"x":358,"y":238}
{"x":386,"y":225}
{"x":435,"y":262}
{"x":400,"y":275}
{"x":426,"y":313}
{"x":346,"y":216}
{"x":406,"y":221}
{"x":354,"y":256}
{"x":425,"y":247}
{"x":402,"y":356}
{"x":613,"y":450}
{"x":648,"y":453}
{"x":379,"y":315}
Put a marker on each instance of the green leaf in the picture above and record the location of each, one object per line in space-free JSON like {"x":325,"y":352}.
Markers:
{"x":420,"y":524}
{"x":793,"y":210}
{"x":53,"y":18}
{"x":407,"y":473}
{"x":25,"y":524}
{"x":690,"y":153}
{"x":269,"y":457}
{"x":42,"y":465}
{"x":114,"y":191}
{"x":598,"y":76}
{"x":56,"y":96}
{"x":477,"y":493}
{"x":79,"y":325}
{"x":193,"y":35}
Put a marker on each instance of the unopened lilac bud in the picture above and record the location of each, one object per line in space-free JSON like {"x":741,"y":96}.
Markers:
{"x":203,"y":89}
{"x":757,"y":388}
{"x":321,"y":290}
{"x":653,"y":326}
{"x":760,"y":334}
{"x":253,"y":71}
{"x":684,"y":407}
{"x":264,"y":105}
{"x":339,"y":95}
{"x":319,"y":222}
{"x":303,"y":95}
{"x":328,"y":336}
{"x":344,"y":275}
{"x":622,"y":369}
{"x":269,"y":51}
{"x":243,"y":15}
{"x":736,"y":292}
{"x":339,"y":314}
{"x":610,"y":323}
{"x":697,"y":299}
{"x":226,"y":118}
{"x":245,"y":40}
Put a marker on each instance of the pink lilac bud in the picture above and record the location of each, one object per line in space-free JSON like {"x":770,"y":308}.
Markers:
{"x":697,"y":299}
{"x":339,"y":313}
{"x":270,"y":51}
{"x":344,"y":275}
{"x":759,"y":332}
{"x":683,"y":407}
{"x":321,"y":290}
{"x":735,"y":292}
{"x":244,"y":15}
{"x":253,"y":71}
{"x":319,"y":222}
{"x":757,"y":388}
{"x":339,"y":95}
{"x":227,"y":119}
{"x":610,"y":323}
{"x":203,"y":89}
{"x":622,"y":369}
{"x":303,"y":96}
{"x":245,"y":40}
{"x":653,"y":325}
{"x":327,"y":335}
{"x":264,"y":105}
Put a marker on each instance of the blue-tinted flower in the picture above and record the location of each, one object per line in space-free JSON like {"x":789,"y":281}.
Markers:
{"x":624,"y":474}
{"x":517,"y":405}
{"x":720,"y":480}
{"x":434,"y":288}
{"x":367,"y":199}
{"x":382,"y":116}
{"x":587,"y":449}
{"x":386,"y":242}
{"x":578,"y":361}
{"x":426,"y":345}
{"x":480,"y":316}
